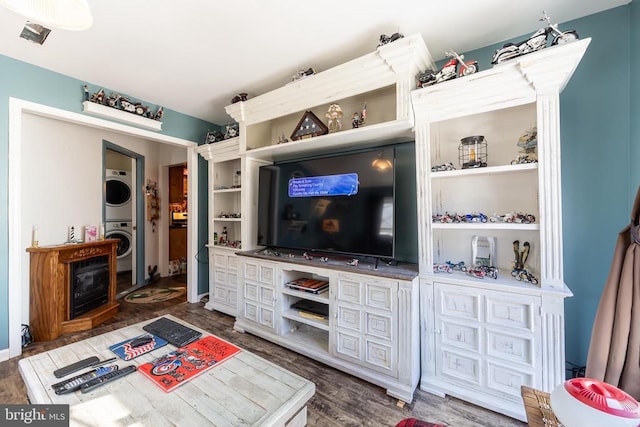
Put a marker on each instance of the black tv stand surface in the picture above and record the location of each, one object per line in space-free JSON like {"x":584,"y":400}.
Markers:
{"x":365,"y":265}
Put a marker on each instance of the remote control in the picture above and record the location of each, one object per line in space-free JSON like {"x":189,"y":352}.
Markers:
{"x":108,"y":377}
{"x":74,"y":367}
{"x":72,"y":384}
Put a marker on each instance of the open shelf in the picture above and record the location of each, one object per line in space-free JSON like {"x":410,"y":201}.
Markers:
{"x":294,"y":314}
{"x":120,"y":116}
{"x":312,"y":339}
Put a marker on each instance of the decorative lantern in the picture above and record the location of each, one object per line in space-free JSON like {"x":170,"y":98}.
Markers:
{"x":472,"y":152}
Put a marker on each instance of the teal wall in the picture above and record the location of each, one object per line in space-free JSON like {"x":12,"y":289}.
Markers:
{"x":35,"y":84}
{"x":598,"y":178}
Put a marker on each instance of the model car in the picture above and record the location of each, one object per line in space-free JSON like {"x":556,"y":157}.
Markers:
{"x":458,"y":267}
{"x":444,"y":167}
{"x":475,"y":217}
{"x":441,"y":268}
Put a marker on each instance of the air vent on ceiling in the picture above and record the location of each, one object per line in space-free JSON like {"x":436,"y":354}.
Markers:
{"x":35,"y":33}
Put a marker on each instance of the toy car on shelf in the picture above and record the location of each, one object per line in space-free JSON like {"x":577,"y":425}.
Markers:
{"x":519,"y":218}
{"x":384,"y":39}
{"x":523,"y":275}
{"x":444,"y":167}
{"x":535,"y":42}
{"x":457,"y":267}
{"x":523,"y":159}
{"x":475,"y":217}
{"x":447,"y":218}
{"x":482,"y":271}
{"x":442,"y":268}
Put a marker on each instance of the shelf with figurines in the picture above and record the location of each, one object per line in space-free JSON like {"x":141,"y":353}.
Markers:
{"x":485,"y":264}
{"x":363,"y":102}
{"x":122,"y":109}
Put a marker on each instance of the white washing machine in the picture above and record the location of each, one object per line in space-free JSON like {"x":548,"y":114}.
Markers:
{"x":118,"y":195}
{"x":123,"y":231}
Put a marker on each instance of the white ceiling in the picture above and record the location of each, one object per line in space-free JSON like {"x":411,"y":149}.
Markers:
{"x":193,"y":56}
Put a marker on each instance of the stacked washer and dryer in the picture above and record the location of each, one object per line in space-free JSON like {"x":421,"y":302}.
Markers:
{"x":119,"y":215}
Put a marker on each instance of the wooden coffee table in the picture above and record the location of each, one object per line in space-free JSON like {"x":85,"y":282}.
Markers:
{"x":243,"y":390}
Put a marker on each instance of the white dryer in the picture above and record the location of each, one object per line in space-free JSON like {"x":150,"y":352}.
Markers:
{"x":118,"y":195}
{"x":123,"y":231}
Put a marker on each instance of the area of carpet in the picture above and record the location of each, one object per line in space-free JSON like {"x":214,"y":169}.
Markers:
{"x":146,"y":296}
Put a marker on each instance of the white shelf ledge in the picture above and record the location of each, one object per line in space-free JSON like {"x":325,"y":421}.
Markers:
{"x":120,"y":116}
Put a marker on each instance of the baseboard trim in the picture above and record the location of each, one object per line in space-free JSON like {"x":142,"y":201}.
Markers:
{"x":4,"y":355}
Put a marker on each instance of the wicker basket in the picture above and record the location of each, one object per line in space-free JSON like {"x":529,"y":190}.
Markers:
{"x":537,"y":405}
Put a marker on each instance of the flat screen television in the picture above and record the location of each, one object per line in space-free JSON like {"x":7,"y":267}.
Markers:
{"x":342,"y":203}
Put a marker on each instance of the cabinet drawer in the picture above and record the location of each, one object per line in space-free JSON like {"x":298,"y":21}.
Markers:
{"x":349,"y":318}
{"x":266,"y":317}
{"x":251,"y":311}
{"x":233,"y":297}
{"x":378,"y":325}
{"x":220,"y":293}
{"x":458,"y":303}
{"x":348,"y":345}
{"x":507,"y":379}
{"x":460,"y":367}
{"x":511,"y":312}
{"x":349,"y":290}
{"x":220,"y":276}
{"x":460,"y":335}
{"x":251,"y":291}
{"x":251,"y":271}
{"x":267,"y":295}
{"x":510,"y":347}
{"x":232,"y":262}
{"x":220,"y":260}
{"x":267,"y":274}
{"x":232,"y":278}
{"x":378,"y":295}
{"x":379,"y":354}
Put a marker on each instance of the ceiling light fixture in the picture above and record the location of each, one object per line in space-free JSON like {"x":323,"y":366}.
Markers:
{"x":71,"y":15}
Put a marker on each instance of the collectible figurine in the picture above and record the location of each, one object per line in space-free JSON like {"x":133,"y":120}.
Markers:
{"x":384,"y":39}
{"x":301,"y":74}
{"x":159,"y":114}
{"x":358,"y":119}
{"x":334,"y":118}
{"x":528,"y":142}
{"x":239,"y":97}
{"x":282,"y":139}
{"x":232,"y":131}
{"x":535,"y":42}
{"x":448,"y":71}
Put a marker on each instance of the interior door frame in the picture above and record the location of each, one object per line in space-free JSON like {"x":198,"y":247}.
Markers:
{"x":140,"y":208}
{"x":19,"y":107}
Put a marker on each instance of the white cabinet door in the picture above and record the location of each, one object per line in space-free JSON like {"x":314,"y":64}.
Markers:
{"x":487,"y":341}
{"x":365,"y":322}
{"x":259,"y":293}
{"x":224,"y":282}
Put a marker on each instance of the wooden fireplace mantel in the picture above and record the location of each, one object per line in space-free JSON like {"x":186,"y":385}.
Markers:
{"x":49,"y":293}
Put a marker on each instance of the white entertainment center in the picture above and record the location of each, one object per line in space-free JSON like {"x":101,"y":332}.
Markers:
{"x":400,"y":326}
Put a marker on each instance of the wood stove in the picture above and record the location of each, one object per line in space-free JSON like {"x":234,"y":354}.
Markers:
{"x":72,"y":287}
{"x":89,"y":281}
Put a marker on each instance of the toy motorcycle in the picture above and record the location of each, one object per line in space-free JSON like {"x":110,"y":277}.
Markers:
{"x":449,"y":70}
{"x":535,"y":42}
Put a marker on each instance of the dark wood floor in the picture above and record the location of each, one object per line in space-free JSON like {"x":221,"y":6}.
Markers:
{"x":340,"y":399}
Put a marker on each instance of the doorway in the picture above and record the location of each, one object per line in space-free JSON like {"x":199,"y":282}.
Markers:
{"x":20,"y":228}
{"x":123,"y":207}
{"x":178,"y":218}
